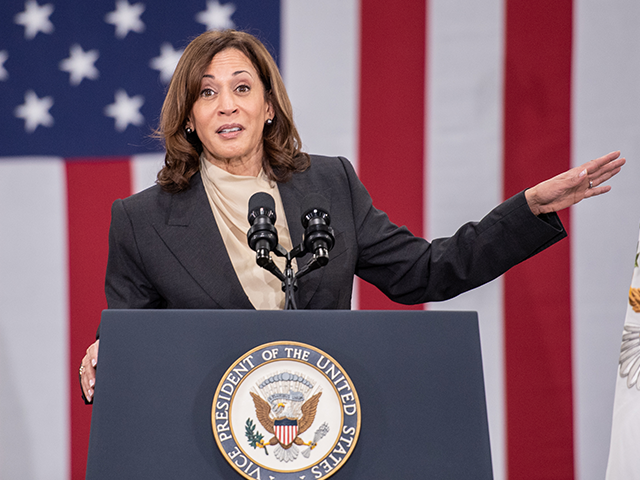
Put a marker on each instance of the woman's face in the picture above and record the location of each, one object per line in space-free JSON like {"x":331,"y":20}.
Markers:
{"x":230,"y":113}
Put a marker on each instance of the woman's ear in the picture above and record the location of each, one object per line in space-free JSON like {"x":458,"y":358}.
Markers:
{"x":270,"y":111}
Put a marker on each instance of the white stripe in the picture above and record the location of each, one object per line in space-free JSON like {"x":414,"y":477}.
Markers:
{"x":144,"y":170}
{"x":34,"y":403}
{"x":320,"y":51}
{"x":606,"y":113}
{"x":464,"y":150}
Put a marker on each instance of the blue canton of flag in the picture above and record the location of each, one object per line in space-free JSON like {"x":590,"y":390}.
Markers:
{"x":88,"y":79}
{"x":81,"y":89}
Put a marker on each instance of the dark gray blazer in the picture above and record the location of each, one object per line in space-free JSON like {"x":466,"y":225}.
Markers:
{"x":165,"y":250}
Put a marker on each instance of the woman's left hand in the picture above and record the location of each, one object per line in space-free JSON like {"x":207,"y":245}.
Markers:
{"x":570,"y":187}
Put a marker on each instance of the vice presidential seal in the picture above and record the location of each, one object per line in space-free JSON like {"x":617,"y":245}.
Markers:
{"x":284,"y":411}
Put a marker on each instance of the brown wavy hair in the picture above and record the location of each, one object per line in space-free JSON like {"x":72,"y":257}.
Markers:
{"x":281,"y":143}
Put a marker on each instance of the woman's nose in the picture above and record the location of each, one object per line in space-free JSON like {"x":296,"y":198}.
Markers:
{"x":227,"y":103}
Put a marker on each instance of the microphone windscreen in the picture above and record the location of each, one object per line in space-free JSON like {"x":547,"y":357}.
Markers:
{"x":314,"y":201}
{"x":261,"y":200}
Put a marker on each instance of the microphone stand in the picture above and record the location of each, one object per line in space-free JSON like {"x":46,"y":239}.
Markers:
{"x":288,"y":278}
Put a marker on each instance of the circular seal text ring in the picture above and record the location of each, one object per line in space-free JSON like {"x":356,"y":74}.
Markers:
{"x":286,"y":410}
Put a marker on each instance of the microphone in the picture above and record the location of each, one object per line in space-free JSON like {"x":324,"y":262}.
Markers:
{"x":318,"y":235}
{"x":262,"y":236}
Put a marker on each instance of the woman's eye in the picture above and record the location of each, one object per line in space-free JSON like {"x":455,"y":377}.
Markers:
{"x":207,"y":92}
{"x":243,"y":88}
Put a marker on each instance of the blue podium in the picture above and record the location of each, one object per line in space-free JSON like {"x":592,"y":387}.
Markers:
{"x":418,"y":375}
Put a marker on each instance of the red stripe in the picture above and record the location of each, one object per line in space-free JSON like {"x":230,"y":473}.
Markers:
{"x":537,"y":137}
{"x":392,"y":119}
{"x":91,"y":188}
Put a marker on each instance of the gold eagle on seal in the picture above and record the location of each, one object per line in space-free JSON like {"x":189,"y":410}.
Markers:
{"x":286,"y":423}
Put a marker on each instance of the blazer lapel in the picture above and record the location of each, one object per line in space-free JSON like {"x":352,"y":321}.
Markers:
{"x":191,"y":233}
{"x":193,"y":237}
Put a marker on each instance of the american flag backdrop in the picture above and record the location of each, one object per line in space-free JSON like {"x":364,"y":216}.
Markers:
{"x":446,"y":107}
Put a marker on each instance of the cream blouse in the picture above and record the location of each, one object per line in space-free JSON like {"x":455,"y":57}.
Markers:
{"x":229,"y":199}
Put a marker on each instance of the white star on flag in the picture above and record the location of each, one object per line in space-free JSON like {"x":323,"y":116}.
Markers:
{"x":126,"y":18}
{"x":166,"y":62}
{"x":125,"y":110}
{"x":3,"y":71}
{"x":80,"y":65}
{"x":217,"y":16}
{"x":35,"y":111}
{"x":35,"y":18}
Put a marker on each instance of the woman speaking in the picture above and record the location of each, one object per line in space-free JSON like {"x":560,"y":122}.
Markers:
{"x":228,"y":129}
